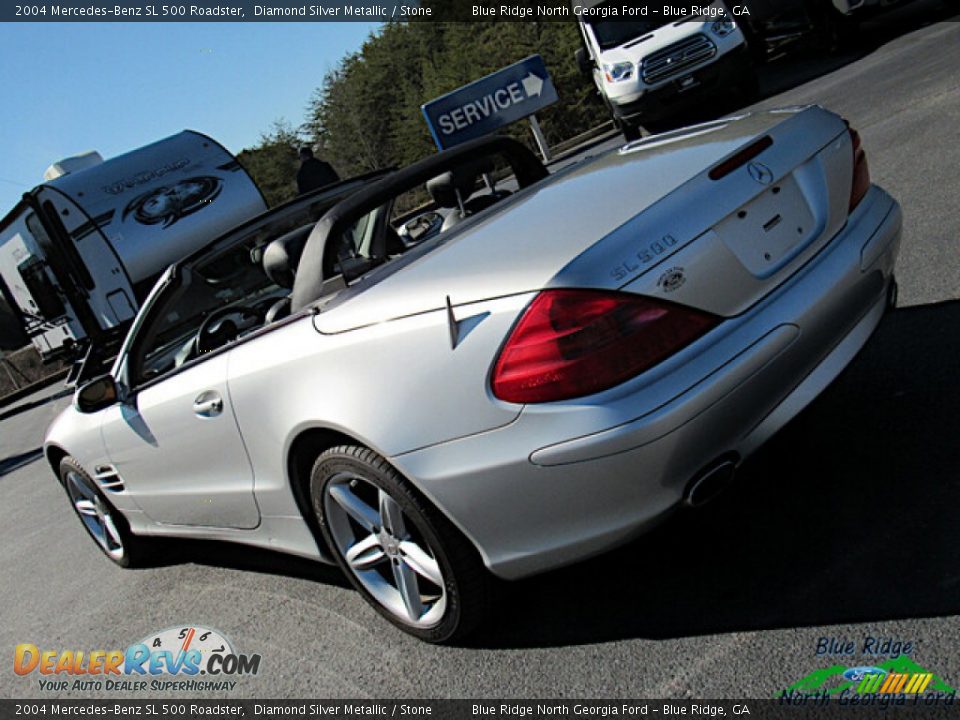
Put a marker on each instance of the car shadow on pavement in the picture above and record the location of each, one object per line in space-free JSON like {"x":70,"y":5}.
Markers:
{"x":246,"y":558}
{"x":23,"y":407}
{"x":15,"y":462}
{"x":846,"y":515}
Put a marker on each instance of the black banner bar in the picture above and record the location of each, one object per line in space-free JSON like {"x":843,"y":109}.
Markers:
{"x":356,"y":10}
{"x":813,"y":706}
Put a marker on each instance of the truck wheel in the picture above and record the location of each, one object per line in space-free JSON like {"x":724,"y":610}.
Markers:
{"x":406,"y":559}
{"x":631,"y":130}
{"x":833,"y":31}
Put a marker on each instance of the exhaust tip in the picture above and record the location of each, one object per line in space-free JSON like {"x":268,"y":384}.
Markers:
{"x":709,"y":483}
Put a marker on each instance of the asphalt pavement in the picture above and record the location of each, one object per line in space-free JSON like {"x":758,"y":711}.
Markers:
{"x":840,"y":527}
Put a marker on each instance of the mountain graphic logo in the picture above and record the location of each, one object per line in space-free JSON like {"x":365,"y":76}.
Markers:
{"x":896,"y":675}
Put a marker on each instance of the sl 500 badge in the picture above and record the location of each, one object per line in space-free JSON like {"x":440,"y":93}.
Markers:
{"x":649,"y":253}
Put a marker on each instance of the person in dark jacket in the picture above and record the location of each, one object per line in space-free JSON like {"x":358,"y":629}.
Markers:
{"x":314,"y":173}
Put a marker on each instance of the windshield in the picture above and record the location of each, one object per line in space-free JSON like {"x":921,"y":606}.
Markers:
{"x":612,"y":32}
{"x":231,"y":278}
{"x":227,"y":274}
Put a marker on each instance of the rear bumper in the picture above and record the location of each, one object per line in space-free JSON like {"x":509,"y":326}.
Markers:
{"x":568,"y":480}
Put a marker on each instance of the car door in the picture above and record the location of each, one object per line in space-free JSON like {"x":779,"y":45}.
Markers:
{"x":177,"y":449}
{"x":173,"y":439}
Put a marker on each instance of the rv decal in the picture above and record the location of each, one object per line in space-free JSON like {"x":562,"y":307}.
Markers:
{"x":170,"y":203}
{"x":144,"y":177}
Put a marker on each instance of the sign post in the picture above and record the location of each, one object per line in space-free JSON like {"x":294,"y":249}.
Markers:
{"x":485,"y":105}
{"x":539,"y":137}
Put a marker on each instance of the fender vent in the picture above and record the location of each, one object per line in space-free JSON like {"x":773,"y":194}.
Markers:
{"x":109,"y":479}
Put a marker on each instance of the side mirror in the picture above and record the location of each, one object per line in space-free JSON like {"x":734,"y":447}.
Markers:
{"x":99,"y":393}
{"x":584,"y":63}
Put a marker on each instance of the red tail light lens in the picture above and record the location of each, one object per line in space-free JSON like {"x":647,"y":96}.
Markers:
{"x":570,"y":343}
{"x":861,"y":172}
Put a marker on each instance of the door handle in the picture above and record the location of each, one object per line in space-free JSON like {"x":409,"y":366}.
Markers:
{"x":208,"y":404}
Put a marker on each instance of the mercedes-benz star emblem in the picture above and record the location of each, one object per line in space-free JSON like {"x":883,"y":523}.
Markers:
{"x":760,"y":172}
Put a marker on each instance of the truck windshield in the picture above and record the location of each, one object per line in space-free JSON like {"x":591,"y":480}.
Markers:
{"x":613,"y":32}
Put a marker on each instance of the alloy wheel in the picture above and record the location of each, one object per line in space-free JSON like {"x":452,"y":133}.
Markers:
{"x":95,"y":513}
{"x":385,"y":550}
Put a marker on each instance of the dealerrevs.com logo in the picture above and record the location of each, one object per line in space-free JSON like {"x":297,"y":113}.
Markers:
{"x":190,"y":658}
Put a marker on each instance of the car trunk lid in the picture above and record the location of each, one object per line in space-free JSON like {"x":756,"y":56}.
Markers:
{"x":739,"y":228}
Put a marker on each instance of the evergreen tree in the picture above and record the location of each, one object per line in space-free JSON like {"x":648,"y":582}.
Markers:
{"x":367,"y":114}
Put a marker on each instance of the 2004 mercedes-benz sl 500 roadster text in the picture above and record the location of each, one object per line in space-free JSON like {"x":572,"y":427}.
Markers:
{"x":501,"y":383}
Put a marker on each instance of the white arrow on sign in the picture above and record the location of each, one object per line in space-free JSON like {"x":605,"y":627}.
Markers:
{"x":532,"y":85}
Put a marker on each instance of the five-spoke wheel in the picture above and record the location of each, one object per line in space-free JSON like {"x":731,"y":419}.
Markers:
{"x":403,"y":556}
{"x":107,"y":527}
{"x":384,"y":550}
{"x":96,"y":516}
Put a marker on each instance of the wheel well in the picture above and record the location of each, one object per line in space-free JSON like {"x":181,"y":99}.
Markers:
{"x":55,"y":456}
{"x":303,"y":453}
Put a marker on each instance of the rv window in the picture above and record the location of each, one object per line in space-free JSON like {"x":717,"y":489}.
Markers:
{"x":65,"y":248}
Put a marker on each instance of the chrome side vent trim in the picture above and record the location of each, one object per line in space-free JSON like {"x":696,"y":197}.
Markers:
{"x":108,"y":478}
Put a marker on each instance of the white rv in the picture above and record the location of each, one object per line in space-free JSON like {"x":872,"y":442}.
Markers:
{"x":79,"y":252}
{"x":648,"y":64}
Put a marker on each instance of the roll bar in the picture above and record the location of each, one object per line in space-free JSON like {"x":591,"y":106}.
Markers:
{"x":320,"y":255}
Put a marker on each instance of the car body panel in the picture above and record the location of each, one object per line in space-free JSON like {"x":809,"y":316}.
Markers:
{"x":183,"y":467}
{"x":271,"y":412}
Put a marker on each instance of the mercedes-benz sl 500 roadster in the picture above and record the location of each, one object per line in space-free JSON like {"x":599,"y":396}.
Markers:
{"x":517,"y":371}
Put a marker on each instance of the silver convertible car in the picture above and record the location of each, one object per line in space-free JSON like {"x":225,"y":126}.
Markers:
{"x":507,"y":383}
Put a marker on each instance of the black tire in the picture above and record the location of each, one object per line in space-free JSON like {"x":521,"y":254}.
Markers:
{"x":631,"y":130}
{"x":833,"y":32}
{"x":466,"y":582}
{"x":124,"y":548}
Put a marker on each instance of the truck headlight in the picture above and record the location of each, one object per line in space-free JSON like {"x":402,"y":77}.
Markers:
{"x":722,"y":28}
{"x":618,"y":71}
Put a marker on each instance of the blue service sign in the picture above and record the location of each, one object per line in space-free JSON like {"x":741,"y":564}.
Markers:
{"x":491,"y":102}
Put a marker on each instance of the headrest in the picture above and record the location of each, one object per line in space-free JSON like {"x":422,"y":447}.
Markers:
{"x":443,"y":188}
{"x":281,"y":256}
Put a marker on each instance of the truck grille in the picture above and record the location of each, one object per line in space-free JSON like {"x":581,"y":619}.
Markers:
{"x":677,"y":58}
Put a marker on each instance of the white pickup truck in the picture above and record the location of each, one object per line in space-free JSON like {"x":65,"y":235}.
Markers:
{"x":648,"y":67}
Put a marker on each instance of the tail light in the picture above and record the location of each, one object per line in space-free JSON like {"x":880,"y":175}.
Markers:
{"x":861,"y":172}
{"x":570,"y":343}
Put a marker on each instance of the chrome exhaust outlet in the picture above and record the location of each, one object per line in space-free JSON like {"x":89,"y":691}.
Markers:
{"x":709,"y":483}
